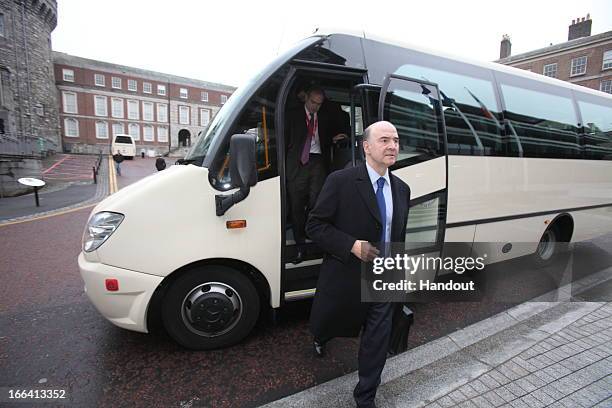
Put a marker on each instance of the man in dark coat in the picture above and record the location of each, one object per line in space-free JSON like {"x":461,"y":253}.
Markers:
{"x":358,"y":210}
{"x":118,"y":158}
{"x":311,"y":134}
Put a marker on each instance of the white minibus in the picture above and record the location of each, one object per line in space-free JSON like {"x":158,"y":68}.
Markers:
{"x":492,"y":154}
{"x":125,"y":145}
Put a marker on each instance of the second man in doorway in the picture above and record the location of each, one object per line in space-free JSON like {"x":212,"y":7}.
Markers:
{"x":310,"y":137}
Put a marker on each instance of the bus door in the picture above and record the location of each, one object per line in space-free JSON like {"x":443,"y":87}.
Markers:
{"x":414,"y":107}
{"x":299,"y":278}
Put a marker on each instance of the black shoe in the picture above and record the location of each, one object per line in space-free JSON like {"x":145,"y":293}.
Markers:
{"x":299,"y":257}
{"x":319,"y":348}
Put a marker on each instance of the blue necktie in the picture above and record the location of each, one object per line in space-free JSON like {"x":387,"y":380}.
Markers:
{"x":382,"y":207}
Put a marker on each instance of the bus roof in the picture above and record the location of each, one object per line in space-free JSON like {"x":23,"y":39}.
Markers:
{"x":483,"y":64}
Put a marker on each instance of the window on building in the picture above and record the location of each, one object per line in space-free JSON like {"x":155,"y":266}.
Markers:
{"x":100,"y":80}
{"x":132,"y":85}
{"x":162,"y":134}
{"x":147,"y":111}
{"x":606,"y":86}
{"x":204,"y":117}
{"x":223,"y":99}
{"x":161,"y":89}
{"x":39,"y":109}
{"x":184,"y":115}
{"x":133,"y":110}
{"x":147,"y":87}
{"x":68,"y":75}
{"x":550,"y":70}
{"x":116,"y":82}
{"x":204,"y":96}
{"x":100,"y":105}
{"x":101,"y":130}
{"x":117,"y":129}
{"x":2,"y":25}
{"x":70,"y":102}
{"x":607,"y":60}
{"x":71,"y":127}
{"x":117,"y":107}
{"x":162,"y":112}
{"x":147,"y":133}
{"x":578,"y":66}
{"x":134,"y":131}
{"x":184,"y":93}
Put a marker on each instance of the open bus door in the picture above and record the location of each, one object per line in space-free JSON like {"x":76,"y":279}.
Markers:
{"x":413,"y":106}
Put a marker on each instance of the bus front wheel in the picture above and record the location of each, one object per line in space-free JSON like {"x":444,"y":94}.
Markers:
{"x":210,"y":307}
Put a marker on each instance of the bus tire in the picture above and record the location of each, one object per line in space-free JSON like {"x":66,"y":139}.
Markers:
{"x":548,"y":247}
{"x":210,"y":307}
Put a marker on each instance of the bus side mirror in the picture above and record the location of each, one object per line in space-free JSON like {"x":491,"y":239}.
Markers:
{"x":243,"y":172}
{"x":243,"y":168}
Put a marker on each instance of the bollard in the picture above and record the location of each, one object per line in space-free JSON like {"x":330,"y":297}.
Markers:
{"x":95,"y":175}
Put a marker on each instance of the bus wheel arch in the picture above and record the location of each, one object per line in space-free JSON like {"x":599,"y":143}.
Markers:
{"x":244,"y":275}
{"x":555,"y":239}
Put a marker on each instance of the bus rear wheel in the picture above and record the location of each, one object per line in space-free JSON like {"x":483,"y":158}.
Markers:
{"x":548,"y":247}
{"x":210,"y":307}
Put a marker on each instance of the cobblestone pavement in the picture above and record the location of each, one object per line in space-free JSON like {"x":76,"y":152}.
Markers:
{"x":570,"y":368}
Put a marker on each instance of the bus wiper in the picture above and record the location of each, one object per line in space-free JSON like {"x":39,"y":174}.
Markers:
{"x":189,"y":161}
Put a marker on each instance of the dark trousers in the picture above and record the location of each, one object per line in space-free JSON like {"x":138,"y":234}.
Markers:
{"x":373,"y":349}
{"x":303,"y":192}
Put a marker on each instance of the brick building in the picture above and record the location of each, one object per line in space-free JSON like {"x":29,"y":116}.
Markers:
{"x":584,"y":59}
{"x":161,"y":112}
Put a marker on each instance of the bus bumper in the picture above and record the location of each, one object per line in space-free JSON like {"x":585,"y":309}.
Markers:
{"x":125,"y":307}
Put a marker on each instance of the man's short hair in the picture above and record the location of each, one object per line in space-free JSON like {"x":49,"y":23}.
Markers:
{"x":316,"y":89}
{"x":366,"y":133}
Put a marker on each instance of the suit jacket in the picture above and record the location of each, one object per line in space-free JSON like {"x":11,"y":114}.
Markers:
{"x":297,"y":130}
{"x":346,"y":210}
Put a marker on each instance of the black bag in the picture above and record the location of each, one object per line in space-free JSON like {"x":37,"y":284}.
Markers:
{"x":400,"y":328}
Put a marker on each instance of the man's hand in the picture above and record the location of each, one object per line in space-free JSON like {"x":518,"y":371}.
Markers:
{"x":339,"y":136}
{"x":364,"y":251}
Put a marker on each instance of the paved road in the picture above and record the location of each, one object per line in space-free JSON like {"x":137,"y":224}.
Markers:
{"x":51,"y":335}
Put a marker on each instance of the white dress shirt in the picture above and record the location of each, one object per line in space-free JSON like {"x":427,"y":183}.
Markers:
{"x":315,"y":146}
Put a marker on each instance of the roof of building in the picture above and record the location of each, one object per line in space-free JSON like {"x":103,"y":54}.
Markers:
{"x":80,"y":62}
{"x":552,"y":49}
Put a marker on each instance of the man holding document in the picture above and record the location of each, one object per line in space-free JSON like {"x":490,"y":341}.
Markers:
{"x":359,"y":213}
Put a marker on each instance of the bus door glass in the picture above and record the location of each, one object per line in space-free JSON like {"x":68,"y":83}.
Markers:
{"x":413,"y":107}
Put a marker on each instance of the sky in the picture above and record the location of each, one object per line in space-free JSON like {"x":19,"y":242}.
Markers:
{"x":228,"y":41}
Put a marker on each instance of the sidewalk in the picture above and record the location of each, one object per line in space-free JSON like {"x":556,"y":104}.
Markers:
{"x":541,"y":353}
{"x":74,"y":196}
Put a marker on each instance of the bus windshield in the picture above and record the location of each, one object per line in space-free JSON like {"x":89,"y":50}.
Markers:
{"x":223,"y":119}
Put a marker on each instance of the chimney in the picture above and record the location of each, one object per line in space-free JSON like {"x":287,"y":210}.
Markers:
{"x":579,"y":28}
{"x":505,"y":46}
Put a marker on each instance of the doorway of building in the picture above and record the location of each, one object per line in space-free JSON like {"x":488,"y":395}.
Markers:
{"x":184,"y":138}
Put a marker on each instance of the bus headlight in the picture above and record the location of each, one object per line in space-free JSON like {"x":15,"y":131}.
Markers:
{"x":99,"y":228}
